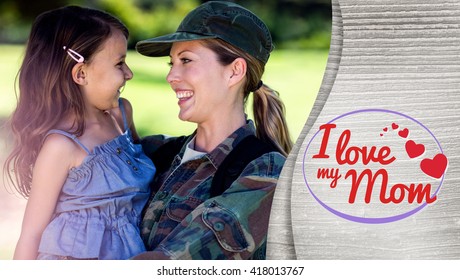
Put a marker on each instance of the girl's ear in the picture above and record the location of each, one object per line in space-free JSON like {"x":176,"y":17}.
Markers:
{"x":79,"y":74}
{"x":238,"y":71}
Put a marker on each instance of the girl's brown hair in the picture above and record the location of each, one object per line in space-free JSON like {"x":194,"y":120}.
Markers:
{"x":268,"y":108}
{"x":47,"y":93}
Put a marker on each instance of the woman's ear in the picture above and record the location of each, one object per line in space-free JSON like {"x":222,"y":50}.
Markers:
{"x":238,"y":71}
{"x":79,"y":74}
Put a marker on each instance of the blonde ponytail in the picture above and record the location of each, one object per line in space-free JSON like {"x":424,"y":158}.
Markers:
{"x":269,"y":117}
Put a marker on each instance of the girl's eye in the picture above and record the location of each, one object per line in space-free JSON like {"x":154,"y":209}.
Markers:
{"x":120,"y":64}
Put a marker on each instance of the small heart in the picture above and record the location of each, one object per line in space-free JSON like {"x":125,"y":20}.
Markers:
{"x":403,"y":133}
{"x":381,"y":134}
{"x":394,"y":126}
{"x":434,"y":167}
{"x":385,"y":129}
{"x":413,"y":149}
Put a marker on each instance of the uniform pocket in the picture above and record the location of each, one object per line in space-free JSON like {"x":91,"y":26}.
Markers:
{"x":226,"y":228}
{"x":178,"y":209}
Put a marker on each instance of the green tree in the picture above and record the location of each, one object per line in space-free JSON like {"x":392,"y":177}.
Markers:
{"x":293,"y":23}
{"x":147,"y":19}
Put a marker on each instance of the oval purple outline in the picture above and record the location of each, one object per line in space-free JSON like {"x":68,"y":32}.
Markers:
{"x":361,"y":219}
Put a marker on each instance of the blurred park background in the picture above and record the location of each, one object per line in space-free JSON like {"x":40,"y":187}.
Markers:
{"x":301,"y":34}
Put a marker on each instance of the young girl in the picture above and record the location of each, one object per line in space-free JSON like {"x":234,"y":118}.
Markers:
{"x":75,"y":157}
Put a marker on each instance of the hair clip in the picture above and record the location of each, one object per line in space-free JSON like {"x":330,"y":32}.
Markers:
{"x":74,"y":55}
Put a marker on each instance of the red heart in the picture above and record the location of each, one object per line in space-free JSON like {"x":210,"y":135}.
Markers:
{"x":403,"y":133}
{"x":434,"y":167}
{"x":414,"y":150}
{"x":385,"y":129}
{"x":394,"y":126}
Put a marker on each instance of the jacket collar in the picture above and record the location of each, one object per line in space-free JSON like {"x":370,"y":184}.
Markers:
{"x":218,"y":155}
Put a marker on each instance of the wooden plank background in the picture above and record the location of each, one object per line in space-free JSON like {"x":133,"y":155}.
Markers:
{"x":399,"y":55}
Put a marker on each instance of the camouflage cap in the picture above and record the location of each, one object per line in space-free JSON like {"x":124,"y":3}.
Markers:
{"x":216,"y":19}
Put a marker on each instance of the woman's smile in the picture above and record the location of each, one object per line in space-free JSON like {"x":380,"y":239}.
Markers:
{"x":184,"y":94}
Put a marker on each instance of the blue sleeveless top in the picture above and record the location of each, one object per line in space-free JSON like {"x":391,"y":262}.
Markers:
{"x":98,"y":211}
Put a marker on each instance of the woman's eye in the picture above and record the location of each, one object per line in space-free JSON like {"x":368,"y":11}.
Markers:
{"x":183,"y":60}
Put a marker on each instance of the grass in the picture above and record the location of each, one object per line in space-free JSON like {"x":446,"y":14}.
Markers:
{"x":296,"y":74}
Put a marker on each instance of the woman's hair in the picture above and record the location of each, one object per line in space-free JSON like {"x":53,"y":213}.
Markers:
{"x":268,"y":108}
{"x":47,"y":92}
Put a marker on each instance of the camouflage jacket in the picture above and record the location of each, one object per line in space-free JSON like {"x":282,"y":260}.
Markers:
{"x":181,"y":221}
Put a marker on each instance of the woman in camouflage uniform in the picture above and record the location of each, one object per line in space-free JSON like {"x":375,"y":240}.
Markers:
{"x":218,"y":55}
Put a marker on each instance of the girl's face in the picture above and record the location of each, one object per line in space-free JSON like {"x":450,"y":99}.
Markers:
{"x":199,"y":81}
{"x":107,"y":73}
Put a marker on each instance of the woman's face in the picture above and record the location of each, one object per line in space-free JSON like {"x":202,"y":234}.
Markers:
{"x":199,"y":81}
